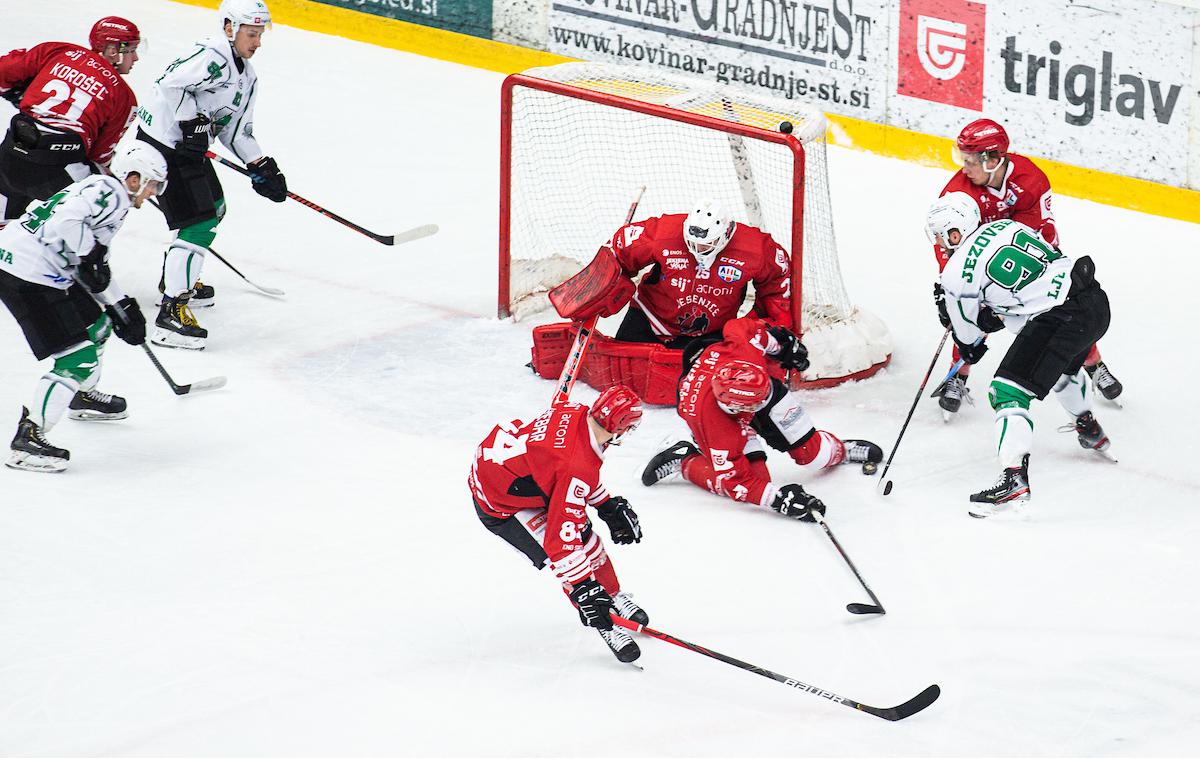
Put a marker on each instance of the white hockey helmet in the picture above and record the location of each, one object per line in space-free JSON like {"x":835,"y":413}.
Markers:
{"x":956,"y":210}
{"x":143,"y":160}
{"x":707,"y":230}
{"x":249,"y":12}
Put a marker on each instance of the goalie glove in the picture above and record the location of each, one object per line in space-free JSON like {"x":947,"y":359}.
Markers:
{"x":622,"y":521}
{"x":792,"y":354}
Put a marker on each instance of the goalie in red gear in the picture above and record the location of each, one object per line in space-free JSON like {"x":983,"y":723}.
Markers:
{"x":73,"y":107}
{"x":733,"y":400}
{"x":698,"y":266}
{"x":531,"y":483}
{"x":1004,"y":185}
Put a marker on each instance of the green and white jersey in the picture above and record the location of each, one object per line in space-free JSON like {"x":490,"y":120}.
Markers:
{"x":44,"y":246}
{"x":1006,"y":266}
{"x":206,"y":80}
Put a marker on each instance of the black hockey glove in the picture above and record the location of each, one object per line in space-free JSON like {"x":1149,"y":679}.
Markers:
{"x":127,"y":320}
{"x":939,"y":299}
{"x":622,"y":521}
{"x":594,"y":604}
{"x":792,"y":501}
{"x":792,"y":352}
{"x":267,"y":179}
{"x":14,"y":93}
{"x":194,"y":143}
{"x":93,"y":271}
{"x":971,"y":353}
{"x":989,"y":321}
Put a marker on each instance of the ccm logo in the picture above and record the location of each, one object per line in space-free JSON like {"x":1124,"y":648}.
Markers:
{"x":64,"y":148}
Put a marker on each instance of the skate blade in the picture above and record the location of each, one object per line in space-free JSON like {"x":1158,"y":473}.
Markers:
{"x":986,"y":512}
{"x":1107,"y":453}
{"x":86,"y":415}
{"x":166,"y":338}
{"x":194,"y":303}
{"x":30,"y":462}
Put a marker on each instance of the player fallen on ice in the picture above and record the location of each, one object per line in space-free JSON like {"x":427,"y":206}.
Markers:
{"x":733,"y":399}
{"x":1004,"y":185}
{"x":207,"y":93}
{"x":700,"y":266}
{"x":532,"y":482}
{"x":53,"y":271}
{"x":73,"y":106}
{"x":1004,"y":275}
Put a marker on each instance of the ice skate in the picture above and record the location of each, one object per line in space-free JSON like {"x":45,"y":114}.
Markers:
{"x":1006,"y":498}
{"x":1091,"y":435}
{"x":203,"y":295}
{"x":624,"y":605}
{"x":621,"y":643}
{"x":1106,"y":384}
{"x":177,"y":327}
{"x":90,"y":405}
{"x":668,"y":463}
{"x":31,"y":451}
{"x":863,"y":452}
{"x":951,"y":394}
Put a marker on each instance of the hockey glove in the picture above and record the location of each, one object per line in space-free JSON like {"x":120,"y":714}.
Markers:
{"x":15,"y":93}
{"x":127,"y":320}
{"x":194,"y":143}
{"x":971,"y":353}
{"x":93,"y":271}
{"x":792,"y":352}
{"x":622,"y":521}
{"x":939,"y":299}
{"x":267,"y":179}
{"x":594,"y":604}
{"x":792,"y":501}
{"x":989,"y":321}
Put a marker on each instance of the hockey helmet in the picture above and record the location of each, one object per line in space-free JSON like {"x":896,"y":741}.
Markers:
{"x":143,"y":160}
{"x":741,"y":387}
{"x":618,"y":411}
{"x":706,"y":231}
{"x":956,"y":210}
{"x":114,"y":30}
{"x":248,"y":12}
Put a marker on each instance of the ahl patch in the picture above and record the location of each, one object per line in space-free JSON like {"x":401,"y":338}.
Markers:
{"x":729,"y":274}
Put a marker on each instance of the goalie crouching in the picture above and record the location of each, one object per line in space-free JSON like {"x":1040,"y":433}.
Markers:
{"x":700,"y":265}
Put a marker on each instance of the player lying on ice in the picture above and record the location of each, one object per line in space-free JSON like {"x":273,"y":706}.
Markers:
{"x":732,"y":397}
{"x":700,"y":265}
{"x":531,"y":482}
{"x":1003,"y":275}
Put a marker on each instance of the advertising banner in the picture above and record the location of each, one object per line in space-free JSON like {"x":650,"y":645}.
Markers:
{"x":832,"y":53}
{"x":464,"y":16}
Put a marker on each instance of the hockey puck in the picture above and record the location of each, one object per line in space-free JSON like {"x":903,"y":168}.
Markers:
{"x":869,"y":468}
{"x":887,"y":487}
{"x":785,"y":127}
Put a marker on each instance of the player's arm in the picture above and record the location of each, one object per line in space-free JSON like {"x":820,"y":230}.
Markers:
{"x":566,"y":518}
{"x":238,"y":136}
{"x":18,"y":68}
{"x":963,"y":306}
{"x":1033,"y":210}
{"x":773,"y":286}
{"x":199,"y":70}
{"x":633,"y":245}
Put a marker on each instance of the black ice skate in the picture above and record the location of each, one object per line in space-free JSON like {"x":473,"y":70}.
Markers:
{"x":91,"y":405}
{"x":31,"y":451}
{"x":951,"y":394}
{"x":863,"y":452}
{"x":668,"y":463}
{"x":177,"y":327}
{"x":624,"y":605}
{"x":1107,"y":384}
{"x":1091,"y":435}
{"x":1005,"y":498}
{"x":203,"y":295}
{"x":621,"y":643}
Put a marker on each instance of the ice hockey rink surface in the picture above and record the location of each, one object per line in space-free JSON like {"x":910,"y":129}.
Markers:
{"x":291,"y":566}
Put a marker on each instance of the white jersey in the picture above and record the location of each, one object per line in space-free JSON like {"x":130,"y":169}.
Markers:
{"x":1006,"y":266}
{"x":44,"y":245}
{"x":206,"y":80}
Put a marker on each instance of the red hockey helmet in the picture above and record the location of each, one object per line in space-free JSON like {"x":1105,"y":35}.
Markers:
{"x":983,"y":136}
{"x":114,"y":30}
{"x":741,"y":387}
{"x":618,"y":411}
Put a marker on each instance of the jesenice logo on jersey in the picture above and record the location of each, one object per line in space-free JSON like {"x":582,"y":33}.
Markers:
{"x":577,"y":492}
{"x":941,"y":51}
{"x":729,"y":273}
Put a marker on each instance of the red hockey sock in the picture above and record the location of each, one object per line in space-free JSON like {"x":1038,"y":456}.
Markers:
{"x":1093,"y":356}
{"x":821,"y":450}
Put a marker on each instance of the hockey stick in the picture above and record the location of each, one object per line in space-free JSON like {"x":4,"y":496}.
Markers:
{"x":566,"y":380}
{"x":415,"y":233}
{"x":887,"y":485}
{"x":857,"y":608}
{"x":919,"y":703}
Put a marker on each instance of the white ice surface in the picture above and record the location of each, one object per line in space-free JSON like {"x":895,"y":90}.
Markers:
{"x":291,"y":566}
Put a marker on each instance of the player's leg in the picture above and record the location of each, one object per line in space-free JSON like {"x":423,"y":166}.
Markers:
{"x":786,"y":426}
{"x":954,"y":390}
{"x":89,"y":404}
{"x":1098,"y":370}
{"x":1073,"y":391}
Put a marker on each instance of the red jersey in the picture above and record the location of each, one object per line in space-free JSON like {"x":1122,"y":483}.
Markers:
{"x":679,"y":299}
{"x":1024,"y":197}
{"x":723,"y":437}
{"x":71,"y":88}
{"x":552,"y":462}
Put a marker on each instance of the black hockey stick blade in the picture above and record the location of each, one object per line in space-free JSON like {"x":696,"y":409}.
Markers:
{"x":864,"y":609}
{"x":904,"y":710}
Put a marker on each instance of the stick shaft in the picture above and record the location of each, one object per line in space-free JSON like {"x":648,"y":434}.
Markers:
{"x":937,"y":354}
{"x":846,"y":558}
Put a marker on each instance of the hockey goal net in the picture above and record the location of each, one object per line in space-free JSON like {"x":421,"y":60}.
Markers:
{"x":578,"y":140}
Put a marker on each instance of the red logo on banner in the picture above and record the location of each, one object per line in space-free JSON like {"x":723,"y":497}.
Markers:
{"x":941,"y":51}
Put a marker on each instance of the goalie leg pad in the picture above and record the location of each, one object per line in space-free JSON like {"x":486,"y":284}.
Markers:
{"x":551,"y":346}
{"x":650,"y":370}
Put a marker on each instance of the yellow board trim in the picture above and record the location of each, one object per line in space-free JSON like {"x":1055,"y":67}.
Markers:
{"x":890,"y":141}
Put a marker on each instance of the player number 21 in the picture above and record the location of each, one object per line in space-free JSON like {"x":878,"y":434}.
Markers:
{"x":60,"y":92}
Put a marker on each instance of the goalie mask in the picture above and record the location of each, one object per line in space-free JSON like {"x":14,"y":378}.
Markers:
{"x":955,"y":211}
{"x":706,"y":231}
{"x":741,"y":387}
{"x":618,"y":411}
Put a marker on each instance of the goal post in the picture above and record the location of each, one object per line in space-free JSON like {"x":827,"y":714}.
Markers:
{"x":578,"y":139}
